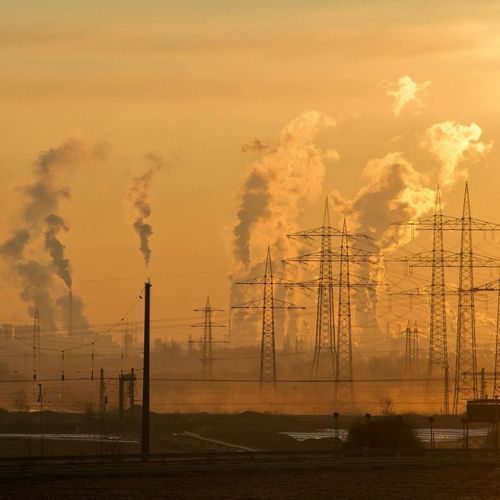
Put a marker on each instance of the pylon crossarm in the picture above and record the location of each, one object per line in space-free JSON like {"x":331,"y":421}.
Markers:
{"x":254,"y":304}
{"x":317,"y":232}
{"x":356,"y":255}
{"x":425,"y":290}
{"x":491,"y":286}
{"x":448,"y":223}
{"x":263,"y":280}
{"x":450,"y":259}
{"x":282,"y":304}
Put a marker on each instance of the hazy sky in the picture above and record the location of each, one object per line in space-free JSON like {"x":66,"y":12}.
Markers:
{"x":193,"y":82}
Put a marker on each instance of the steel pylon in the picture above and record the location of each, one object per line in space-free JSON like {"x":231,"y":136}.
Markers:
{"x":344,"y":325}
{"x":207,"y":341}
{"x":438,"y":338}
{"x":466,"y":357}
{"x":268,"y":304}
{"x":324,"y":345}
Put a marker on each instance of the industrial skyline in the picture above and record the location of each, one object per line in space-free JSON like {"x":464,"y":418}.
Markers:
{"x":166,"y":181}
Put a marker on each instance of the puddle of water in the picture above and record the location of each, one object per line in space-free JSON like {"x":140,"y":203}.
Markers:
{"x":441,"y":435}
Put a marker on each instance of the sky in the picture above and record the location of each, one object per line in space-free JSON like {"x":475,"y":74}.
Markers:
{"x":327,"y":89}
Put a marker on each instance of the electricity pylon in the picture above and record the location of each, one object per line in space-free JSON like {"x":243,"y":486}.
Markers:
{"x":465,"y":261}
{"x":326,"y":356}
{"x":494,"y":286}
{"x":466,"y":355}
{"x":206,"y":342}
{"x":411,"y":349}
{"x":268,"y":304}
{"x":344,"y":326}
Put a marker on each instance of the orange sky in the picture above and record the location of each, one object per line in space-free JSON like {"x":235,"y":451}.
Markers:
{"x":192,"y":84}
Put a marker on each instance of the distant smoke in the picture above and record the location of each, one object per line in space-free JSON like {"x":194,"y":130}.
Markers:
{"x":39,"y":218}
{"x":256,"y":146}
{"x":405,"y":91}
{"x":14,"y":247}
{"x":275,"y":187}
{"x":395,"y":192}
{"x":55,"y":224}
{"x":137,"y":197}
{"x":452,"y":143}
{"x":36,"y":283}
{"x":79,"y":319}
{"x":272,"y":196}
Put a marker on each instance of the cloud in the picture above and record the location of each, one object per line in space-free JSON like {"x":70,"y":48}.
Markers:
{"x":452,"y":143}
{"x":405,"y":91}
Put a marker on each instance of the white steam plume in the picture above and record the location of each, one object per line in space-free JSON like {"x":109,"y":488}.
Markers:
{"x":452,"y":143}
{"x":138,"y":200}
{"x":394,"y":191}
{"x":405,"y":91}
{"x":274,"y":188}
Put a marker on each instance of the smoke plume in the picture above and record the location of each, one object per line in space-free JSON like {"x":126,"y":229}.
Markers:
{"x":394,"y":192}
{"x":256,"y":146}
{"x":405,"y":91}
{"x":79,"y":319}
{"x":40,"y":222}
{"x":274,"y":188}
{"x":55,"y":224}
{"x":138,"y":198}
{"x":452,"y":143}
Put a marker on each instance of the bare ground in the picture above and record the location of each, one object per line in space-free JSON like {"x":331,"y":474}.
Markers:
{"x":304,"y":481}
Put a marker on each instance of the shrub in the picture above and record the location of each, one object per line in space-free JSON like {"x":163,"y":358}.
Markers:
{"x":385,"y":432}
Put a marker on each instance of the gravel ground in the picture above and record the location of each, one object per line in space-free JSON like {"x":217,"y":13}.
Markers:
{"x":305,"y":482}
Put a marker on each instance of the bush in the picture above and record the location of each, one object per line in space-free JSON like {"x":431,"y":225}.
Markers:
{"x":386,"y":432}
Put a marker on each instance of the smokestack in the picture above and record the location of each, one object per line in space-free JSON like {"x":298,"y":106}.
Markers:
{"x":70,"y":313}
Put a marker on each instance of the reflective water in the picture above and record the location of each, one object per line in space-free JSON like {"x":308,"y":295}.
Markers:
{"x":440,"y":435}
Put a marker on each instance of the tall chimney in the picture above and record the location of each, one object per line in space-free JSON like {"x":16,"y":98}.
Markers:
{"x":70,"y":313}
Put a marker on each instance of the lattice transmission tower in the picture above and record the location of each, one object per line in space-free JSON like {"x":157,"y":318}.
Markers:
{"x":206,"y":343}
{"x":465,"y":260}
{"x":332,"y":356}
{"x":466,"y":355}
{"x":268,"y":304}
{"x":411,"y":349}
{"x":494,"y":286}
{"x":344,"y":366}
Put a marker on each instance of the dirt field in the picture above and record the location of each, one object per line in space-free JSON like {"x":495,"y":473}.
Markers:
{"x":270,"y":481}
